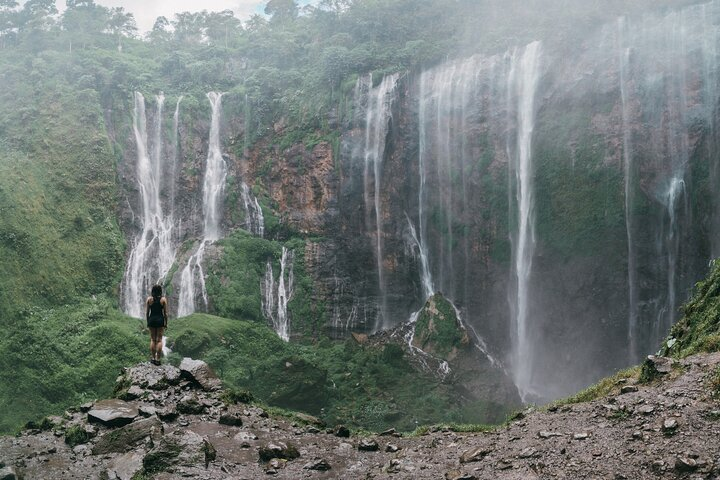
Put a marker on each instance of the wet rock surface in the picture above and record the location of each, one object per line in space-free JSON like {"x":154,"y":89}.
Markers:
{"x":676,"y":438}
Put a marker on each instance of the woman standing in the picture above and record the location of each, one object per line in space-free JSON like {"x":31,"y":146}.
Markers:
{"x":157,"y":317}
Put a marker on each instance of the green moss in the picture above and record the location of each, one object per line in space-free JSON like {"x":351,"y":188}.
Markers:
{"x":699,"y":328}
{"x":437,"y":329}
{"x":76,"y":435}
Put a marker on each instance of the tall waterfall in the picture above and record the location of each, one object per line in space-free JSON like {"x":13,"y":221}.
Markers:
{"x":153,"y":251}
{"x":522,"y":86}
{"x":192,"y":275}
{"x":669,"y":81}
{"x":277,"y":294}
{"x":378,"y":113}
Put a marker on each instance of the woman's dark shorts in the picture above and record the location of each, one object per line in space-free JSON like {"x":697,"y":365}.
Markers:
{"x":155,"y":322}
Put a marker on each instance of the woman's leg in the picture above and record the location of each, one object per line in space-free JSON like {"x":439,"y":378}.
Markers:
{"x":152,"y":342}
{"x":158,"y":342}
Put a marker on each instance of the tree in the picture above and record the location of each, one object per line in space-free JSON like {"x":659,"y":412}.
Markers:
{"x":161,"y":30}
{"x":121,"y":24}
{"x":36,"y":15}
{"x":84,"y":20}
{"x":282,"y":11}
{"x":220,"y":27}
{"x":189,"y":26}
{"x":8,"y":21}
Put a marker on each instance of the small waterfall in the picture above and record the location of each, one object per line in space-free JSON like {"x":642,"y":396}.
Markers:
{"x":254,"y":220}
{"x":192,"y":275}
{"x":522,"y":86}
{"x":153,"y":252}
{"x":276,"y":295}
{"x":377,"y":119}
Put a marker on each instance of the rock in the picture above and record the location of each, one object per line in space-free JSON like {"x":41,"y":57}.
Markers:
{"x":278,"y":450}
{"x":685,"y":464}
{"x":310,"y":419}
{"x":546,"y":434}
{"x":86,"y":406}
{"x":669,"y":426}
{"x":391,"y":448}
{"x":528,"y":453}
{"x":368,"y":445}
{"x":168,"y":413}
{"x":147,"y":410}
{"x":125,"y":467}
{"x":231,"y":419}
{"x":317,"y":464}
{"x":131,"y":393}
{"x":645,"y":409}
{"x":504,"y":464}
{"x":125,"y":438}
{"x":148,"y":376}
{"x":190,"y":405}
{"x":394,"y":466}
{"x":389,"y":433}
{"x":458,"y":475}
{"x":112,"y":413}
{"x":199,"y":372}
{"x":662,"y":365}
{"x":8,"y":473}
{"x":628,"y":389}
{"x":581,"y":436}
{"x":342,"y":431}
{"x":181,"y":448}
{"x":474,"y":454}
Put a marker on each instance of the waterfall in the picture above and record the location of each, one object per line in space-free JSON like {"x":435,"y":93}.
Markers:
{"x":522,"y":86}
{"x":254,"y":220}
{"x":276,"y":295}
{"x":378,"y":114}
{"x":192,"y":275}
{"x":669,"y":83}
{"x":153,"y":251}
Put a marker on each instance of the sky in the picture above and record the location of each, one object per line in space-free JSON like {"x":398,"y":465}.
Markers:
{"x":146,"y":11}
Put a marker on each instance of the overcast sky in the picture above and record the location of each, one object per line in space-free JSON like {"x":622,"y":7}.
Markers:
{"x":146,"y":11}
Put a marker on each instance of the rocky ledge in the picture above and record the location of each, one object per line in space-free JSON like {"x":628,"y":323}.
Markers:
{"x":172,"y":423}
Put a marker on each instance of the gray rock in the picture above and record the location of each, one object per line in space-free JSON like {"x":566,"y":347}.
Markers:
{"x":391,"y":448}
{"x":319,"y":464}
{"x":112,"y":413}
{"x":149,"y":376}
{"x":474,"y":454}
{"x":167,"y":413}
{"x":546,"y":434}
{"x":191,"y":405}
{"x":310,"y":419}
{"x":669,"y":425}
{"x":662,"y":365}
{"x":125,"y":467}
{"x":528,"y":453}
{"x":342,"y":431}
{"x":125,"y":438}
{"x":181,"y":448}
{"x":200,"y":372}
{"x":279,"y":450}
{"x":685,"y":464}
{"x":458,"y":475}
{"x":368,"y":445}
{"x":8,"y":473}
{"x":231,"y":419}
{"x":628,"y":389}
{"x":645,"y":409}
{"x":581,"y":436}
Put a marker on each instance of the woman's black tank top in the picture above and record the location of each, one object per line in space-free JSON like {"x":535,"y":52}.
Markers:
{"x":156,"y":308}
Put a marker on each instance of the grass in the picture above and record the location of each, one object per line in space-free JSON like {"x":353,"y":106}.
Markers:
{"x":606,"y":386}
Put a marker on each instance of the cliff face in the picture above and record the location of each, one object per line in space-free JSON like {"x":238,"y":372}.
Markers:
{"x":560,"y":196}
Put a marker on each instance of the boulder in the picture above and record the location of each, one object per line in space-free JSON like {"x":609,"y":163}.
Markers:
{"x":231,"y":419}
{"x":148,"y":376}
{"x":342,"y":431}
{"x":125,"y":467}
{"x":8,"y":473}
{"x":474,"y":454}
{"x":310,"y":419}
{"x":190,"y":405}
{"x":201,"y":373}
{"x":112,"y":413}
{"x":125,"y":438}
{"x":319,"y":464}
{"x":279,"y":450}
{"x":182,"y":448}
{"x":368,"y":445}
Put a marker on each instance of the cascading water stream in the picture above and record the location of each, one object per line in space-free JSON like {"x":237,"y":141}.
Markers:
{"x":276,"y":295}
{"x":377,"y":118}
{"x":522,"y":87}
{"x":254,"y":220}
{"x":153,"y":252}
{"x":213,"y":189}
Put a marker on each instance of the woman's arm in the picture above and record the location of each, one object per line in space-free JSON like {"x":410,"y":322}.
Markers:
{"x":147,"y":309}
{"x":165,"y":311}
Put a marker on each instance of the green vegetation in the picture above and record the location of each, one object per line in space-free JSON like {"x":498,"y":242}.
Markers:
{"x":76,"y":435}
{"x":604,"y":387}
{"x":699,"y":328}
{"x":437,"y":330}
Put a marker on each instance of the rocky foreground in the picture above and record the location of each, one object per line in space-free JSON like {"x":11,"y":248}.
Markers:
{"x":170,"y":423}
